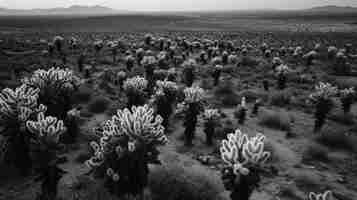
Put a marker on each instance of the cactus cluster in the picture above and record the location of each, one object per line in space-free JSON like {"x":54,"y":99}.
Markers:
{"x":129,"y":138}
{"x":47,"y":130}
{"x":18,"y":104}
{"x":194,"y":95}
{"x":323,"y":91}
{"x":148,"y":61}
{"x":327,"y":195}
{"x":244,"y":158}
{"x":211,"y":118}
{"x":322,"y":100}
{"x":137,"y":84}
{"x":211,"y":114}
{"x":167,"y":86}
{"x":56,"y":87}
{"x":54,"y":78}
{"x":241,"y":152}
{"x":347,"y":97}
{"x":189,"y":72}
{"x":191,"y":107}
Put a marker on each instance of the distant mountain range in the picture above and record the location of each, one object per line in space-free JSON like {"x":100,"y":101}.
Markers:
{"x":102,"y":10}
{"x":73,"y":10}
{"x":333,"y":9}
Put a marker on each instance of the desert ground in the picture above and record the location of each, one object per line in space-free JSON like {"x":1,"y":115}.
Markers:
{"x":302,"y":160}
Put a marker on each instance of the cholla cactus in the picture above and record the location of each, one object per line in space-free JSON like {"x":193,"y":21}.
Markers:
{"x":98,"y":45}
{"x":113,"y":46}
{"x":217,"y":74}
{"x":217,"y":61}
{"x":331,"y":52}
{"x":241,"y":111}
{"x":131,"y":136}
{"x":50,"y":48}
{"x":135,"y":90}
{"x":322,"y":99}
{"x":129,"y":61}
{"x":18,"y":105}
{"x":120,"y":78}
{"x":189,"y":72}
{"x":162,"y":60}
{"x":310,"y":56}
{"x":148,"y":38}
{"x":233,"y":58}
{"x":164,"y":98}
{"x":225,"y":58}
{"x":298,"y":52}
{"x":281,"y":73}
{"x":327,"y":195}
{"x":341,"y":65}
{"x":149,"y":63}
{"x":242,"y":153}
{"x":211,"y":118}
{"x":139,"y":55}
{"x":267,"y":53}
{"x":211,"y":114}
{"x":347,"y":97}
{"x":58,"y":42}
{"x":73,"y":42}
{"x":323,"y":91}
{"x":192,"y":106}
{"x":46,"y":132}
{"x":56,"y":88}
{"x":72,"y":124}
{"x":203,"y":57}
{"x":193,"y":95}
{"x":168,"y":87}
{"x":136,"y":83}
{"x":243,"y":157}
{"x":276,"y":62}
{"x":264,"y":47}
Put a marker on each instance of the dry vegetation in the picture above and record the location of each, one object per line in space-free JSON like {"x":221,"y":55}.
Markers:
{"x":197,"y":81}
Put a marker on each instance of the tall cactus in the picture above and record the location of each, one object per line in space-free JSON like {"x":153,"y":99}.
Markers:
{"x":127,"y":145}
{"x":243,"y":157}
{"x":135,"y":89}
{"x":211,"y":118}
{"x":347,"y":97}
{"x":164,"y":98}
{"x":18,"y":106}
{"x":189,"y":72}
{"x":192,"y":106}
{"x":56,"y":88}
{"x":45,"y":135}
{"x":322,"y":100}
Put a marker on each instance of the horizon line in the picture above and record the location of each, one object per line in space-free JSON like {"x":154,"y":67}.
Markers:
{"x":181,"y":10}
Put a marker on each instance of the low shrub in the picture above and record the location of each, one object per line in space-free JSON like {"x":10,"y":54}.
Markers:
{"x":342,"y":118}
{"x":248,"y":61}
{"x":315,"y":152}
{"x":177,"y":183}
{"x":280,"y":98}
{"x":226,"y":94}
{"x":230,"y":100}
{"x":335,"y":138}
{"x":226,"y":127}
{"x":253,"y":95}
{"x":275,"y":119}
{"x":98,"y":105}
{"x":84,"y":94}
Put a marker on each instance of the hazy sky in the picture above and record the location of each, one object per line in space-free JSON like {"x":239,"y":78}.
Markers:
{"x":165,"y":5}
